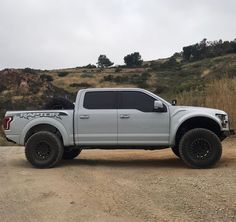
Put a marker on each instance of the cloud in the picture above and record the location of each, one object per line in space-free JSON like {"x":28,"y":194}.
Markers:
{"x":50,"y":34}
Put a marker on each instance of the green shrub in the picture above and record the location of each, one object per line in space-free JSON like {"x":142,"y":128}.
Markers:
{"x":62,"y":74}
{"x":46,"y":77}
{"x":108,"y":78}
{"x":29,"y":70}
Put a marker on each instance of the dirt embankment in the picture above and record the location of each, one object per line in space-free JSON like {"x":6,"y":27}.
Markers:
{"x":117,"y":186}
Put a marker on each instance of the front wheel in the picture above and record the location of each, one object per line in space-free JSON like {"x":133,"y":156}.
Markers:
{"x":200,"y":148}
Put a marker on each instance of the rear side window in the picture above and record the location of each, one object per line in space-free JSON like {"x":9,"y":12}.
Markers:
{"x":100,"y":100}
{"x":136,"y":100}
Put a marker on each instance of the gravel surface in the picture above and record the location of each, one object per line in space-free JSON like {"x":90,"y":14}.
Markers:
{"x":117,"y":185}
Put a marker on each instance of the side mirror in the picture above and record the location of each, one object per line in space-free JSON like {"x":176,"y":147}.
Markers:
{"x":174,"y":102}
{"x":159,"y":106}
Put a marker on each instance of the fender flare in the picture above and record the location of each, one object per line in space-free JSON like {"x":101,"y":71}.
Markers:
{"x":174,"y":128}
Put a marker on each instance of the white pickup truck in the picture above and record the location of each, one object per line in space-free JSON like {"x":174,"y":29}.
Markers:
{"x":124,"y":118}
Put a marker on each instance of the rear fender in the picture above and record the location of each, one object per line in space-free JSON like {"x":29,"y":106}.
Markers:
{"x":49,"y":121}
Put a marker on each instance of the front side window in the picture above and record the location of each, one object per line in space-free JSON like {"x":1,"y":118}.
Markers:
{"x":136,"y":100}
{"x":100,"y":100}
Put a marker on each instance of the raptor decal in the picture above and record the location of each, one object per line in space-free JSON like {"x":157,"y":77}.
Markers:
{"x":31,"y":115}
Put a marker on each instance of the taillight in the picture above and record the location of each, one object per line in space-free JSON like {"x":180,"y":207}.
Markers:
{"x":7,"y":121}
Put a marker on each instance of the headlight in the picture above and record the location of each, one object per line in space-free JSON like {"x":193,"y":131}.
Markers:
{"x":223,"y":119}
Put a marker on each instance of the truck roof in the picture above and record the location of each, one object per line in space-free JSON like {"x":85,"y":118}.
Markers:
{"x":113,"y":89}
{"x":124,"y":89}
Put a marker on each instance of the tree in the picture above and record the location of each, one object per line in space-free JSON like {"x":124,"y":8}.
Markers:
{"x":133,"y":60}
{"x":187,"y":51}
{"x":104,"y":62}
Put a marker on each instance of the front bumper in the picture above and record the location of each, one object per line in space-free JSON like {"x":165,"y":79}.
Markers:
{"x":227,"y":134}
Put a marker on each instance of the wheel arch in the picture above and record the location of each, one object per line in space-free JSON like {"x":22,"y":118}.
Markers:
{"x":44,"y":125}
{"x":196,"y":122}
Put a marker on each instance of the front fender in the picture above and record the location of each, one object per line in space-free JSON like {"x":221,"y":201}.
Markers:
{"x":49,"y":121}
{"x":178,"y":119}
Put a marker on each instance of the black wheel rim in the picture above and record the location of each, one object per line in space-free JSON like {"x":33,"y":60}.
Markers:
{"x":43,"y":151}
{"x":200,"y":149}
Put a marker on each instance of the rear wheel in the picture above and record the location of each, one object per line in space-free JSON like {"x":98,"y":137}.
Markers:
{"x":200,"y":148}
{"x":70,"y":153}
{"x":43,"y":149}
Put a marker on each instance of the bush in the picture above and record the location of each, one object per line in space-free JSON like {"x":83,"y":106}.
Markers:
{"x":170,"y":64}
{"x":62,"y":74}
{"x":140,"y":80}
{"x":108,"y":78}
{"x":79,"y":85}
{"x":45,"y":77}
{"x":29,"y":70}
{"x":2,"y":87}
{"x":118,"y":69}
{"x":90,"y":66}
{"x":161,"y":89}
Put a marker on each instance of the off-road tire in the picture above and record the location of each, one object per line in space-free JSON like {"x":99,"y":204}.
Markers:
{"x":175,"y":150}
{"x":44,"y":149}
{"x":58,"y":103}
{"x":200,"y":148}
{"x":70,"y":153}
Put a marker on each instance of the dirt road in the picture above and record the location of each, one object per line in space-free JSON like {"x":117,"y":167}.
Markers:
{"x":117,"y":186}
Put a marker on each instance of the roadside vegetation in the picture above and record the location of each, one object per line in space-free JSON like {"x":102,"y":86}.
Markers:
{"x":219,"y":94}
{"x":203,"y":74}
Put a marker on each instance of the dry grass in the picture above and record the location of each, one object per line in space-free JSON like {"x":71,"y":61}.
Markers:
{"x":219,"y":94}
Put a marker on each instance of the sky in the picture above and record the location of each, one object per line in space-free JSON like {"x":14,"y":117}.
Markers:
{"x":49,"y":34}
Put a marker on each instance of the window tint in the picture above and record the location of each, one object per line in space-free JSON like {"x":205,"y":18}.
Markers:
{"x":136,"y":100}
{"x":100,"y":100}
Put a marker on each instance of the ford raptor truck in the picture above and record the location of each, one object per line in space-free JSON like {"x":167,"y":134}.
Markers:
{"x":118,"y":118}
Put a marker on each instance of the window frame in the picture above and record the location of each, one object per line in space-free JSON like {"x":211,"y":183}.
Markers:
{"x":120,"y":102}
{"x":105,"y":91}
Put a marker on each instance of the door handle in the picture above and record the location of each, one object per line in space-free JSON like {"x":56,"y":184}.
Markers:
{"x":84,"y":116}
{"x":124,"y":116}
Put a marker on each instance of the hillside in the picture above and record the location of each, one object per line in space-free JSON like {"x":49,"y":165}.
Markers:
{"x":164,"y":77}
{"x":169,"y":78}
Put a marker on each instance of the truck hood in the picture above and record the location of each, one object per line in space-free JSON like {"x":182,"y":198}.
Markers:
{"x":196,"y":109}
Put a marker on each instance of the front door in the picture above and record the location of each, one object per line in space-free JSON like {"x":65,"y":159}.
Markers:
{"x":138,"y":123}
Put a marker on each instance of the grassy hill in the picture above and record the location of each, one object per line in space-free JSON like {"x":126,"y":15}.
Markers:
{"x":207,"y":82}
{"x":160,"y":76}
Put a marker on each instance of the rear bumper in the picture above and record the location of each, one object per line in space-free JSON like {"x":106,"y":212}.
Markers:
{"x":12,"y":138}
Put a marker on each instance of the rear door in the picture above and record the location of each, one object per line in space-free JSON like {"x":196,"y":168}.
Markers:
{"x":138,"y":123}
{"x":97,"y":118}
